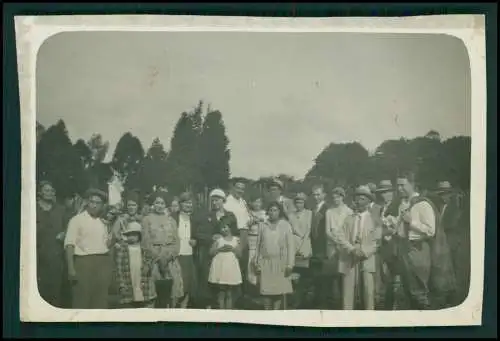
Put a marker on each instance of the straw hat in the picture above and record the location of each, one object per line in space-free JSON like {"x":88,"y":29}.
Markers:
{"x":364,"y":190}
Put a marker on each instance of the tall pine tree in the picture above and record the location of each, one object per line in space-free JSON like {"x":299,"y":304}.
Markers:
{"x":127,"y":159}
{"x":214,"y":151}
{"x":57,"y":161}
{"x":154,"y":167}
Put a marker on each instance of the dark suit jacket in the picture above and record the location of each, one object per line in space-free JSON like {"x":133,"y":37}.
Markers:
{"x":318,"y":233}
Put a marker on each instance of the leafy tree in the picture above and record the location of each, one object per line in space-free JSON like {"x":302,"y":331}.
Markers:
{"x":214,"y":151}
{"x":456,"y":161}
{"x":58,"y":162}
{"x":341,"y":164}
{"x":40,"y":130}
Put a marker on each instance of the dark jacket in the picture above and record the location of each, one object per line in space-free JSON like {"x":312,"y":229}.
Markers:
{"x":318,"y":233}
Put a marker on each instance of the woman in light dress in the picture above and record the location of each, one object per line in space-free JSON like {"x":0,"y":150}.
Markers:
{"x":300,"y":220}
{"x":225,"y":272}
{"x":161,"y":239}
{"x":274,"y":259}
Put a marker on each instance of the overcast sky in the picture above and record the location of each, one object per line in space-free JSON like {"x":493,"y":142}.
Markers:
{"x":283,"y":96}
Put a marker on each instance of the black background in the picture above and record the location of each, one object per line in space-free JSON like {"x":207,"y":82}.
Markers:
{"x":12,"y":327}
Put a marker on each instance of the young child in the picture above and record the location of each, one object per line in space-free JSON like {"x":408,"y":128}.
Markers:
{"x":225,"y":272}
{"x":134,"y":270}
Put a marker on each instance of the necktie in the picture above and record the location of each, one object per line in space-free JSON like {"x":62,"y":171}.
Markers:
{"x":357,"y":227}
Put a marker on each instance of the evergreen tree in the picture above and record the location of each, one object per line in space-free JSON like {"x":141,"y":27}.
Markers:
{"x":153,"y":169}
{"x":127,"y":159}
{"x":57,"y":161}
{"x":98,"y":148}
{"x":214,"y":151}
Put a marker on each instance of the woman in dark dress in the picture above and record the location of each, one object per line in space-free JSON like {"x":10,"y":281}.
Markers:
{"x":49,"y":245}
{"x":205,"y":235}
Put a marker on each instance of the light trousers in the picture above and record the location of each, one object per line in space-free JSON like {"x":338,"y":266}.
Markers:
{"x":351,"y":281}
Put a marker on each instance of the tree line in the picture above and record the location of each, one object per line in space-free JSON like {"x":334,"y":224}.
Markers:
{"x":199,"y":155}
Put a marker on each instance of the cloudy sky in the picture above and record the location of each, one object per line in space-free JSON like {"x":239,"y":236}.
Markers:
{"x":283,"y":96}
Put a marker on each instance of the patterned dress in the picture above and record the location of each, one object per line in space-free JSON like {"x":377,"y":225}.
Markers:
{"x":275,"y":252}
{"x":159,"y":236}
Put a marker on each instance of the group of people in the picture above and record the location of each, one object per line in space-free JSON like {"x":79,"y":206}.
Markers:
{"x":258,"y":254}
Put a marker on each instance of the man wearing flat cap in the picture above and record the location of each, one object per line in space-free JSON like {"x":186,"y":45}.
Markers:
{"x":335,"y":218}
{"x":275,"y":188}
{"x":87,"y":246}
{"x":358,"y":241}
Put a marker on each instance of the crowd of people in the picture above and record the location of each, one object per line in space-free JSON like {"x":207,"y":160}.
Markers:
{"x":392,"y":248}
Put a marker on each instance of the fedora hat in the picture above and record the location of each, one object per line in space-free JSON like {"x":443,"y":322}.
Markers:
{"x":384,"y":186}
{"x":444,"y":187}
{"x":364,"y":190}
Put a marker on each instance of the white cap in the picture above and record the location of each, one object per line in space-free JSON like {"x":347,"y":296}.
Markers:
{"x":218,"y":193}
{"x":133,"y":227}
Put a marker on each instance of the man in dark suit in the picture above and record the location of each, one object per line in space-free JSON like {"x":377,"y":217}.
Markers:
{"x":322,"y":270}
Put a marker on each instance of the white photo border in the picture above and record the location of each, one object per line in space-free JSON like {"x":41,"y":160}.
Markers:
{"x":32,"y":31}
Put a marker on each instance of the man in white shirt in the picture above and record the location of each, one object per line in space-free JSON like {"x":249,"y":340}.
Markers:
{"x":87,"y":244}
{"x":238,"y":206}
{"x":417,"y":226}
{"x":186,"y":227}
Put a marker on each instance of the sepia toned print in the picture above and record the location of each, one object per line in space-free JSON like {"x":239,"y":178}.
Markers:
{"x":245,"y":171}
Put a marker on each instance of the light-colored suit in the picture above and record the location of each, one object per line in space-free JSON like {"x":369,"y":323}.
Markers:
{"x":368,"y":236}
{"x":335,"y":218}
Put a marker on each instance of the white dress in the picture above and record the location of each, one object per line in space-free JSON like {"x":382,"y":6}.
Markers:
{"x":225,"y":268}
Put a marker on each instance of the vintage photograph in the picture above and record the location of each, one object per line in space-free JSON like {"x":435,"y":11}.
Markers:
{"x":253,"y":170}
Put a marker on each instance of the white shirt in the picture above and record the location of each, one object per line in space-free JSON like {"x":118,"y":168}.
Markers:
{"x":87,"y":234}
{"x":423,"y":220}
{"x":135,"y":258}
{"x":359,"y":224}
{"x":239,"y":209}
{"x":185,"y":235}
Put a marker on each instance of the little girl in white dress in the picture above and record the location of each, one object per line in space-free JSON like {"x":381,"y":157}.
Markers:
{"x":225,"y":272}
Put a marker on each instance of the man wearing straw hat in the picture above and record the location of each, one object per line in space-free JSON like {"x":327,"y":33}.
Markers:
{"x":358,"y":241}
{"x":87,"y":246}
